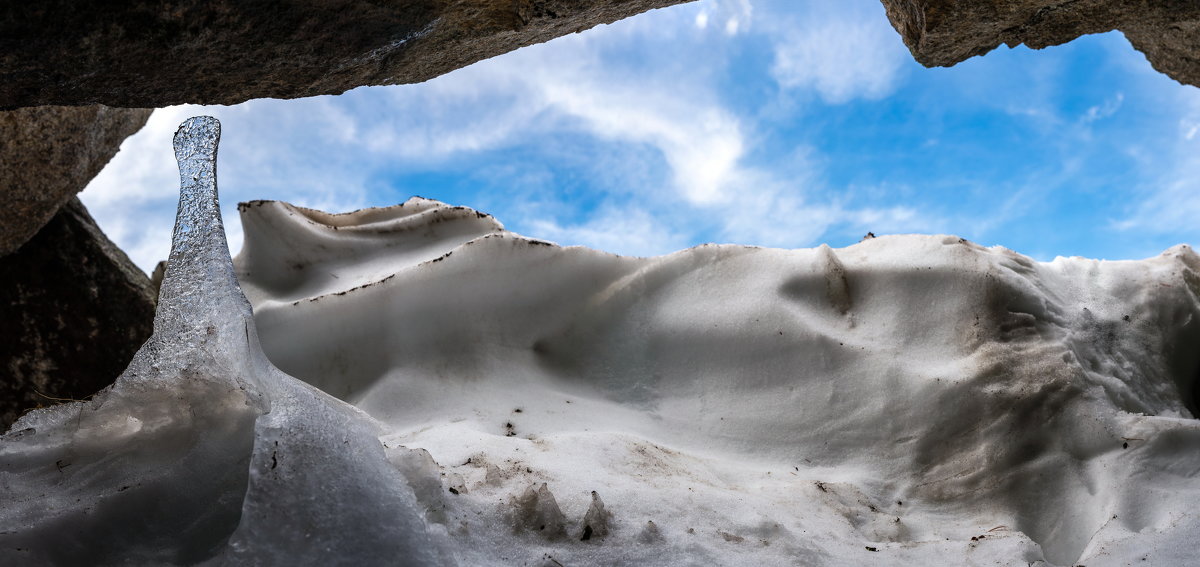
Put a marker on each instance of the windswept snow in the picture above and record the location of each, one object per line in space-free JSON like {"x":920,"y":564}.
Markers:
{"x":482,"y":398}
{"x":921,"y":396}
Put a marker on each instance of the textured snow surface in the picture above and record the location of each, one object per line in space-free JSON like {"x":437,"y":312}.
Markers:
{"x":907,"y":400}
{"x":482,"y":398}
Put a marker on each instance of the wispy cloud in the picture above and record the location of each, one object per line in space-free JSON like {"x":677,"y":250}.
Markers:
{"x":733,"y":16}
{"x":801,"y":212}
{"x":842,"y":51}
{"x":1170,"y":199}
{"x":1104,"y":110}
{"x":622,"y":230}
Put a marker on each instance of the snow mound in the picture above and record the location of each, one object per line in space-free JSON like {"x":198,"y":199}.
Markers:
{"x":419,"y":386}
{"x":906,"y":400}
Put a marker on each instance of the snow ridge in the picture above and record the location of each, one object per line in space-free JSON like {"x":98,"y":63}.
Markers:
{"x":902,"y":400}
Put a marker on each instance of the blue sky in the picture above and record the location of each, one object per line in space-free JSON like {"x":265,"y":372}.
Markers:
{"x":781,"y":123}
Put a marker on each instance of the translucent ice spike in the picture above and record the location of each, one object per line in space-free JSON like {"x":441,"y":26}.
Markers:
{"x":199,"y":279}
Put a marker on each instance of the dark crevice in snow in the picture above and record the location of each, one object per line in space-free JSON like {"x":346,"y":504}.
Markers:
{"x":1193,"y":404}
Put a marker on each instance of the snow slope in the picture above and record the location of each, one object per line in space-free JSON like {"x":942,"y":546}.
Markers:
{"x":486,"y":399}
{"x":917,"y":395}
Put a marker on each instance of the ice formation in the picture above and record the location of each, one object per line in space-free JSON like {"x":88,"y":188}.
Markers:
{"x":203,"y":451}
{"x":465,"y":395}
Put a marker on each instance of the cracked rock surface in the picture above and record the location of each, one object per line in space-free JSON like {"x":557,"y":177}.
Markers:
{"x":148,"y":53}
{"x":50,"y":153}
{"x":941,"y":33}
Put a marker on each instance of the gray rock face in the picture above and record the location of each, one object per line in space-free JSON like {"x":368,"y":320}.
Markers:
{"x":154,"y":54}
{"x":945,"y":32}
{"x":47,"y":155}
{"x":73,"y":309}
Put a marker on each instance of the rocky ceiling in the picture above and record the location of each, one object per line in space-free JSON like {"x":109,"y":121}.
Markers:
{"x":155,"y":53}
{"x":941,"y":33}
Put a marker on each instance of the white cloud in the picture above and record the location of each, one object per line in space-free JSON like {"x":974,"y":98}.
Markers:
{"x":731,"y":26}
{"x":626,"y":230}
{"x":737,"y":15}
{"x":789,"y":215}
{"x":843,"y":51}
{"x":1105,"y":109}
{"x":702,"y":143}
{"x":1170,"y":202}
{"x":1190,"y":125}
{"x":1170,"y":207}
{"x":622,"y":85}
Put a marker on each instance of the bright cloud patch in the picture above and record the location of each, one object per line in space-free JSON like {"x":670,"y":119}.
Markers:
{"x":841,"y":54}
{"x":628,"y":231}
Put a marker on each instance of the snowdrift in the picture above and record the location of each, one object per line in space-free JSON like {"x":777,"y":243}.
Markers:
{"x":418,"y":386}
